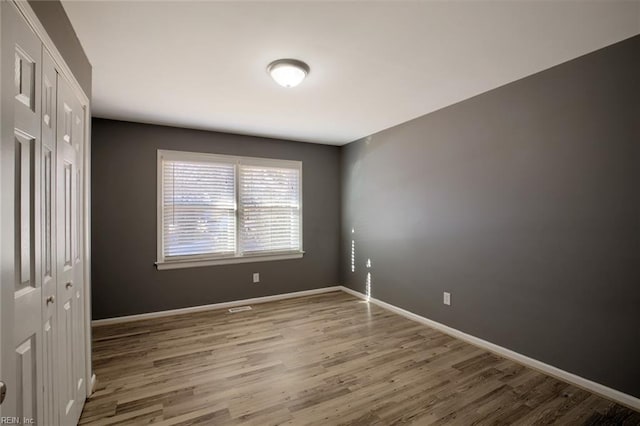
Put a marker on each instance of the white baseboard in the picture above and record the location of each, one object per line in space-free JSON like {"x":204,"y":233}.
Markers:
{"x":591,"y":386}
{"x":223,"y":305}
{"x":581,"y":382}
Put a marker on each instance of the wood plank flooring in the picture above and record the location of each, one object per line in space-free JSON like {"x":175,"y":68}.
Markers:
{"x":321,"y":360}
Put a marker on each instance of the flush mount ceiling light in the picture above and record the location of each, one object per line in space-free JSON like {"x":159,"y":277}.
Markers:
{"x":288,"y":72}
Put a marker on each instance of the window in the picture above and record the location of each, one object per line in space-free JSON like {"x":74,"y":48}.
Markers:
{"x":216,"y":209}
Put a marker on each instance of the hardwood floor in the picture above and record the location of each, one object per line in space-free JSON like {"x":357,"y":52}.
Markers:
{"x":326,"y":359}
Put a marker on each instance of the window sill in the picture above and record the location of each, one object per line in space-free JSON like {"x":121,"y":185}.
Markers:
{"x":179,"y":264}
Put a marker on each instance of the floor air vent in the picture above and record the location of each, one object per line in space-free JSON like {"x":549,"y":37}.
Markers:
{"x":240,"y":309}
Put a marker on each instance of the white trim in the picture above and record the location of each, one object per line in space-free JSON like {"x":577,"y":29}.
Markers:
{"x":87,"y":247}
{"x":206,"y":157}
{"x":179,"y":264}
{"x":237,"y":257}
{"x":2,"y":238}
{"x":159,"y":210}
{"x":214,"y":306}
{"x":581,"y":382}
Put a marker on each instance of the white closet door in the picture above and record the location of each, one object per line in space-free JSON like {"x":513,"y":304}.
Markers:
{"x":21,"y":308}
{"x":70,"y":137}
{"x":48,"y":221}
{"x":78,"y":267}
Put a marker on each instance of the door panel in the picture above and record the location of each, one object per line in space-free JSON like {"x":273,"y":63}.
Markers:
{"x":25,"y":150}
{"x":70,"y":286}
{"x":21,"y":367}
{"x":48,"y":155}
{"x":27,"y":372}
{"x":48,"y":200}
{"x":68,"y":209}
{"x":78,"y":272}
{"x":67,"y":348}
{"x":25,"y":75}
{"x":49,"y":368}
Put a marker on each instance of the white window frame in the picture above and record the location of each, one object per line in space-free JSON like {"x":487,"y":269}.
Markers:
{"x":209,"y":260}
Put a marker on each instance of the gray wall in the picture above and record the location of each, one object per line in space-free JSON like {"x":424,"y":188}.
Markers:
{"x":524,"y":203}
{"x":124,"y":278}
{"x":54,"y":19}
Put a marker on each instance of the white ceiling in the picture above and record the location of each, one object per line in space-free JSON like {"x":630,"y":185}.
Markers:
{"x":373,"y":64}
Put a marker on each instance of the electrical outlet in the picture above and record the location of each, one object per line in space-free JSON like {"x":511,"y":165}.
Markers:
{"x":256,"y":277}
{"x":446,"y":298}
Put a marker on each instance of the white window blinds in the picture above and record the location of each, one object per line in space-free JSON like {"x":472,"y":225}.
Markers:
{"x":198,"y":208}
{"x":224,"y":207}
{"x":269,"y":199}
